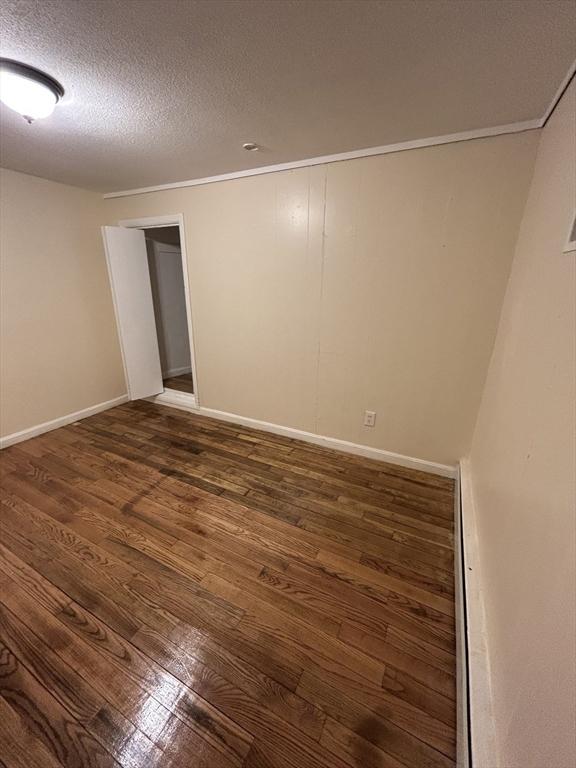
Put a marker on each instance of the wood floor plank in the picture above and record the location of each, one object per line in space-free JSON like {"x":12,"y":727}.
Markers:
{"x":60,"y":732}
{"x":327,"y":460}
{"x":164,"y":693}
{"x":205,"y":444}
{"x":258,"y":718}
{"x":182,"y":592}
{"x":270,"y":587}
{"x":371,"y":721}
{"x":182,"y":383}
{"x":191,"y":655}
{"x":304,"y":642}
{"x":439,"y":581}
{"x":115,"y":733}
{"x":375,"y":582}
{"x":105,"y":524}
{"x":86,"y":583}
{"x":342,"y":600}
{"x":354,"y":748}
{"x":402,"y":685}
{"x":105,"y":662}
{"x":20,"y":747}
{"x":295,"y":500}
{"x":379,"y":648}
{"x":113,"y":571}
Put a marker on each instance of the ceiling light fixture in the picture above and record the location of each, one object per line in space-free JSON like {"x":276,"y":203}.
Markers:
{"x":250,"y":146}
{"x":27,"y":90}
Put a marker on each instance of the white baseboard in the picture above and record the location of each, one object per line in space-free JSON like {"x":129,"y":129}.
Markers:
{"x":48,"y":426}
{"x":333,"y":442}
{"x":482,"y":736}
{"x":176,"y":372}
{"x":462,"y":713}
{"x":187,"y":402}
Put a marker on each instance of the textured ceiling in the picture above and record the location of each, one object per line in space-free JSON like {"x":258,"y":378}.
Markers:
{"x":167,"y":90}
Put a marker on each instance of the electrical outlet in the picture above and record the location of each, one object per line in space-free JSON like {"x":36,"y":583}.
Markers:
{"x":369,"y":418}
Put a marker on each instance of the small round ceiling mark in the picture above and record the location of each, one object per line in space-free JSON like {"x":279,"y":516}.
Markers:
{"x":250,"y":146}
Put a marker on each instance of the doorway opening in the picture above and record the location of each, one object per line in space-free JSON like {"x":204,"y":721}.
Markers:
{"x":148,"y":270}
{"x":164,"y":253}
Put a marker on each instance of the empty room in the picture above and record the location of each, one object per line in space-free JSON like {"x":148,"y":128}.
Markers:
{"x":287,"y":384}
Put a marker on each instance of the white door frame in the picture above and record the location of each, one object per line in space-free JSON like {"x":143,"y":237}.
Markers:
{"x":180,"y":399}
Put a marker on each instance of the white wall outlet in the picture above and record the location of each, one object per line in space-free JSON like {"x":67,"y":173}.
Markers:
{"x":369,"y":418}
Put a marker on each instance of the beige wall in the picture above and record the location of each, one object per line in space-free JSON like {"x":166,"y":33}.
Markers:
{"x":394,"y":310}
{"x":58,"y":345}
{"x":523,"y":470}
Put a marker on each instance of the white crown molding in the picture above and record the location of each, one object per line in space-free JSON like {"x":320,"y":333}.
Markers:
{"x":559,"y":93}
{"x":434,"y":141}
{"x":451,"y":138}
{"x":48,"y":426}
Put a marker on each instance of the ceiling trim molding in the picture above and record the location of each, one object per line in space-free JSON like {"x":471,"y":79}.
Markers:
{"x":434,"y":141}
{"x":559,"y":93}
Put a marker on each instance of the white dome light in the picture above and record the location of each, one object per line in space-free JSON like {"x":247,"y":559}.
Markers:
{"x":26,"y":90}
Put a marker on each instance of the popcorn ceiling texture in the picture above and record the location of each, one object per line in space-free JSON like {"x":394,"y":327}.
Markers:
{"x":166,"y":90}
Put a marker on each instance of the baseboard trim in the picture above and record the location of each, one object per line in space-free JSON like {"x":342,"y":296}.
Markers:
{"x":462,"y":699}
{"x":480,"y":719}
{"x":184,"y":403}
{"x":335,"y":443}
{"x":183,"y":400}
{"x":187,"y":402}
{"x":176,"y":372}
{"x":48,"y":426}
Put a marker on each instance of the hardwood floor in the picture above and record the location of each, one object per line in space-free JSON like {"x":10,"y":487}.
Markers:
{"x":181,"y":383}
{"x":177,"y":591}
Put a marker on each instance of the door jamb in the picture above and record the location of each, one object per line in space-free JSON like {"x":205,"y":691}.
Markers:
{"x":174,"y":220}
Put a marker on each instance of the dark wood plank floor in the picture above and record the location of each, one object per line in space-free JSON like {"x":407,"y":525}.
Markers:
{"x":182,"y":383}
{"x":177,"y":591}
